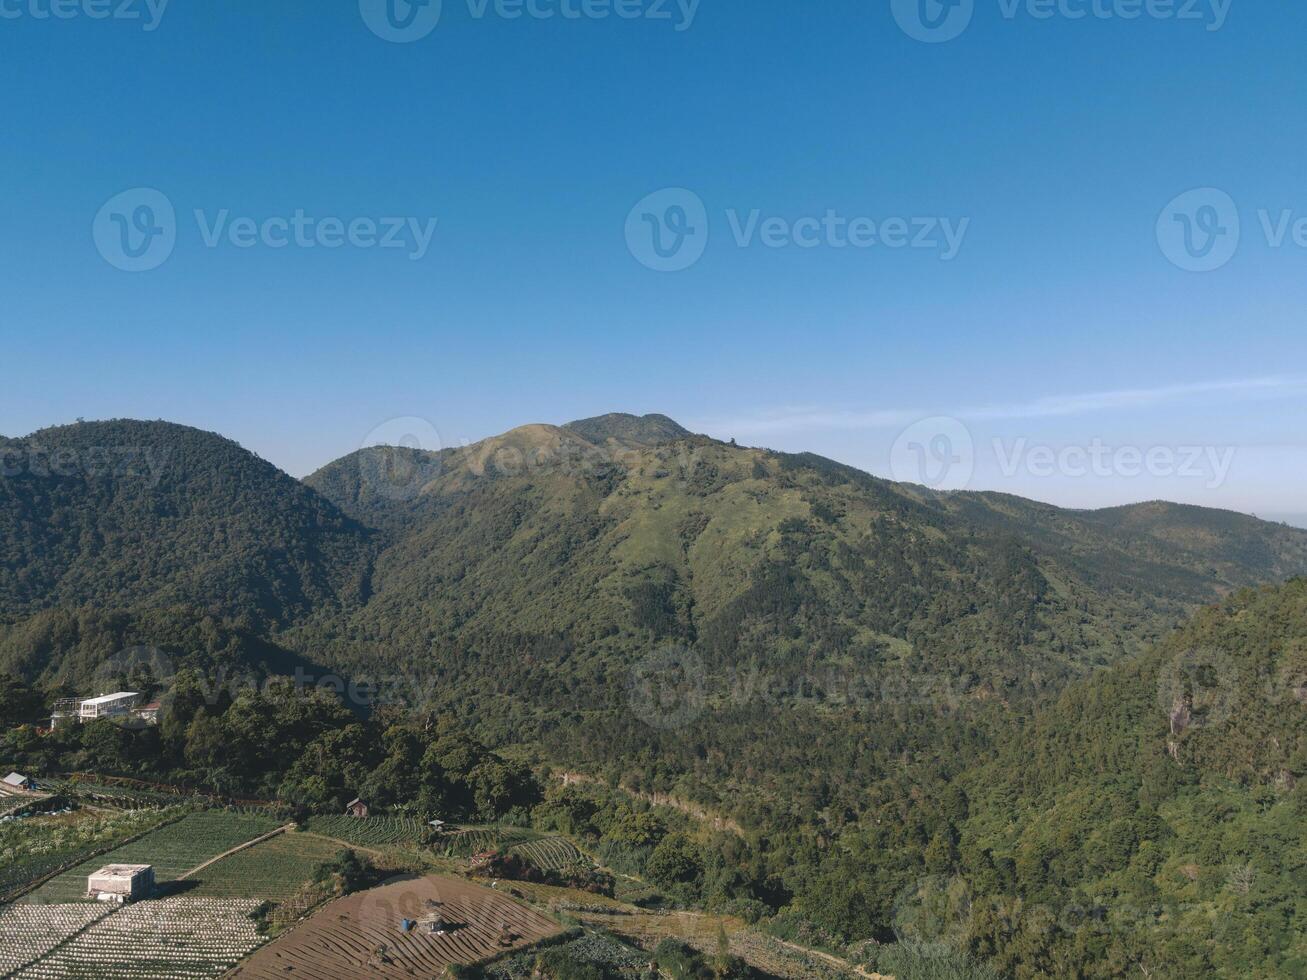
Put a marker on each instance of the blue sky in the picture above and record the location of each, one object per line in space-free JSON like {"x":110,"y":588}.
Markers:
{"x":1048,"y":143}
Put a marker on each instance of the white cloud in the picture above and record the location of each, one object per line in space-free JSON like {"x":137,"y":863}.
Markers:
{"x":809,"y":419}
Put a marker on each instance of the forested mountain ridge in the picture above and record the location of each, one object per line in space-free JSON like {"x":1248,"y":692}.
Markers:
{"x":124,"y":513}
{"x":601,"y":540}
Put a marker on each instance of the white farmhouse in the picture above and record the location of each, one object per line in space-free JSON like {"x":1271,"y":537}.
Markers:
{"x":107,"y":706}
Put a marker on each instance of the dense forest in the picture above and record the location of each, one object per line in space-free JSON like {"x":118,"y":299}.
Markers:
{"x":857,"y":711}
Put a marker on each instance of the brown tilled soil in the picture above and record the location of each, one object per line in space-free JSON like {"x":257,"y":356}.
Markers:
{"x":361,"y":935}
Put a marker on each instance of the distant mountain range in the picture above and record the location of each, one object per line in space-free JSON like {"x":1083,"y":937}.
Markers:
{"x":604,"y":538}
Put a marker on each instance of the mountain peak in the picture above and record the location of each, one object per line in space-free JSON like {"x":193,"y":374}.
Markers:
{"x":632,"y":430}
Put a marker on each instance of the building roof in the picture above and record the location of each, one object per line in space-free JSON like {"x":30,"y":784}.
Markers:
{"x":353,"y":801}
{"x":127,"y":871}
{"x":108,"y":698}
{"x":14,"y":779}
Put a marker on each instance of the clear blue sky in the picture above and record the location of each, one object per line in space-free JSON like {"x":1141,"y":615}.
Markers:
{"x":1059,"y":140}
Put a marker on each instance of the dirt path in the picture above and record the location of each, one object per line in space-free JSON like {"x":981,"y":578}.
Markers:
{"x":833,"y":960}
{"x":239,"y":847}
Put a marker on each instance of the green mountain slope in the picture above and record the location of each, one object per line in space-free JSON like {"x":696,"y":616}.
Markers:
{"x":122,"y":514}
{"x":613,"y":547}
{"x":1157,"y":810}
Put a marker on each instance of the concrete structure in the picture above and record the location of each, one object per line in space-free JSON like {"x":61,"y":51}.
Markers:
{"x":107,"y":706}
{"x":121,"y":883}
{"x":16,"y":780}
{"x":148,"y":713}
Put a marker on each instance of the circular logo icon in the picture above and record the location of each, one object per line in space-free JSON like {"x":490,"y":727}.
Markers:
{"x":932,"y":909}
{"x":399,"y":457}
{"x":145,"y":671}
{"x":933,"y":21}
{"x":1198,"y":689}
{"x":666,"y":689}
{"x":136,"y":230}
{"x":668,"y":230}
{"x":401,"y":21}
{"x":1199,"y":230}
{"x":936,"y":452}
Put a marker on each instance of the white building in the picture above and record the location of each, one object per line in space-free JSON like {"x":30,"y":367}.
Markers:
{"x":121,"y":883}
{"x":107,"y":706}
{"x":17,"y":781}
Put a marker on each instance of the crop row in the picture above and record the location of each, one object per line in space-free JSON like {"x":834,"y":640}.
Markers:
{"x":371,"y":830}
{"x":171,"y":939}
{"x":548,"y":853}
{"x":31,"y":931}
{"x":474,"y":840}
{"x":275,"y":869}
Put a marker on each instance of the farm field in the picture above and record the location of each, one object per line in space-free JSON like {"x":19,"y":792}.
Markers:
{"x":274,"y":870}
{"x":468,"y":841}
{"x":31,"y":931}
{"x":37,"y":846}
{"x":373,"y":831}
{"x":548,"y":853}
{"x":175,"y":938}
{"x":172,"y":850}
{"x":360,"y":935}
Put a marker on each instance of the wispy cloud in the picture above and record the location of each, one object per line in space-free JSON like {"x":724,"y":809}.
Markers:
{"x":809,"y":419}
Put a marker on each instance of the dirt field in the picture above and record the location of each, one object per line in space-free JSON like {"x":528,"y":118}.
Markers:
{"x":360,"y":935}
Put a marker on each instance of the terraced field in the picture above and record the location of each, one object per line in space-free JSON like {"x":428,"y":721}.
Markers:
{"x":360,"y":935}
{"x":176,"y":938}
{"x":172,"y":850}
{"x":473,"y":840}
{"x":370,"y":832}
{"x":274,"y":870}
{"x":548,"y":853}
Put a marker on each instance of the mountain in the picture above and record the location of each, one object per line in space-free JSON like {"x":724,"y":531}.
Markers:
{"x":619,"y":534}
{"x":125,"y":514}
{"x":630,"y":431}
{"x":965,"y":716}
{"x":1156,"y":808}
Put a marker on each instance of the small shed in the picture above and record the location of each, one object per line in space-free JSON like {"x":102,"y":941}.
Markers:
{"x":16,"y":780}
{"x":356,"y":808}
{"x":121,"y":883}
